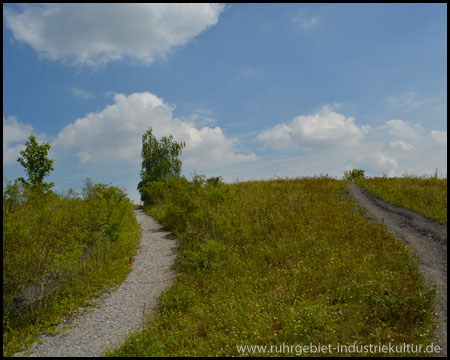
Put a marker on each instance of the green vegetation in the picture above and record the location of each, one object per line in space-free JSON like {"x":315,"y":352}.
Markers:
{"x":353,"y":175}
{"x":60,"y":251}
{"x":37,"y":165}
{"x":285,"y":261}
{"x":425,"y":195}
{"x":159,"y":161}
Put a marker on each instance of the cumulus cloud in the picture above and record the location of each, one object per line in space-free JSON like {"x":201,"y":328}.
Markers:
{"x":329,"y":142}
{"x":95,"y":34}
{"x":15,"y":134}
{"x":402,"y":129}
{"x":324,"y":129}
{"x":114,"y":134}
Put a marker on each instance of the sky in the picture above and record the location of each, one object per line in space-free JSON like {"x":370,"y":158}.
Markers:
{"x":256,"y":91}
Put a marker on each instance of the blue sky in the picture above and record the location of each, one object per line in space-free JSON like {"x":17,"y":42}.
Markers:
{"x":255,"y":90}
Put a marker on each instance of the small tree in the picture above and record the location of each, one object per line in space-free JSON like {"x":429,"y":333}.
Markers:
{"x":36,"y":163}
{"x":354,"y":174}
{"x":160,"y":159}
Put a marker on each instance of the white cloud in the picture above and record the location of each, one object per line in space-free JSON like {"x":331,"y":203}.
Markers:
{"x":94,"y":34}
{"x":384,"y":161}
{"x":304,"y":21}
{"x":309,"y":23}
{"x":81,"y":93}
{"x":324,"y":129}
{"x":409,"y":101}
{"x":13,"y":132}
{"x":429,"y":110}
{"x":440,"y":137}
{"x":402,"y":129}
{"x":200,"y":116}
{"x":400,"y":145}
{"x":211,"y":146}
{"x":329,"y":143}
{"x":114,"y":134}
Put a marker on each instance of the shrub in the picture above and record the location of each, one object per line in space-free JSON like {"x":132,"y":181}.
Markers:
{"x":153,"y":192}
{"x":185,"y":200}
{"x":354,"y":174}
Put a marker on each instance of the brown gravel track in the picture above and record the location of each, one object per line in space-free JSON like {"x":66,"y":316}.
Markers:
{"x":426,"y":237}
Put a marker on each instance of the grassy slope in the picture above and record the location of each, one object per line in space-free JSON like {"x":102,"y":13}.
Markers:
{"x":427,"y":196}
{"x":285,"y":261}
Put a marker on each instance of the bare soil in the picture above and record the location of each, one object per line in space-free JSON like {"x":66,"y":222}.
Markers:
{"x":426,"y":237}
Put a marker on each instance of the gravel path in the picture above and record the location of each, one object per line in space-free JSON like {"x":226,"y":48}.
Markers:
{"x":427,"y":238}
{"x":121,"y":311}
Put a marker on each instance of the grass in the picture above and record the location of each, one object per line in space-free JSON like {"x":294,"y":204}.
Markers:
{"x":425,"y":195}
{"x":281,"y":262}
{"x":60,"y":252}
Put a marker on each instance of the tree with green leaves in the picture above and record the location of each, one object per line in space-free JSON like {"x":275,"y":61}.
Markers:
{"x":160,"y":159}
{"x":36,"y":163}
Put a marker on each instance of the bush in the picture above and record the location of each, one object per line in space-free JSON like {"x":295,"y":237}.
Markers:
{"x":354,"y":174}
{"x":153,"y":192}
{"x":184,"y":200}
{"x":106,"y":207}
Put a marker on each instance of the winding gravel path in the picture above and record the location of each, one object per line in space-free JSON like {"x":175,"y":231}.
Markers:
{"x":427,"y":238}
{"x":121,"y":311}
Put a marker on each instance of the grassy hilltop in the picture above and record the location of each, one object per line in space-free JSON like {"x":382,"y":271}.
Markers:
{"x":282,"y":261}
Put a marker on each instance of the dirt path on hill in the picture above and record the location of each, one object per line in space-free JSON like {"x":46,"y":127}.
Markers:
{"x":119,"y":312}
{"x":426,"y":237}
